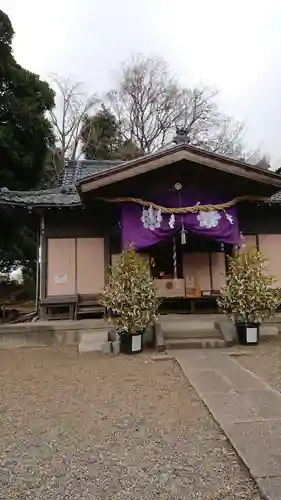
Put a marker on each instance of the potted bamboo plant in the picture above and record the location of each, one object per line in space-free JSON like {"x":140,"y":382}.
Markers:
{"x":248,"y":295}
{"x":130,"y":300}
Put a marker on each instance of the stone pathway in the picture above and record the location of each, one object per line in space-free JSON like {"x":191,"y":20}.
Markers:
{"x":246,"y":408}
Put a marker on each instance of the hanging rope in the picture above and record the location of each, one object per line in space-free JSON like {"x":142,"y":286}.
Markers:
{"x":175,"y":258}
{"x":183,"y":210}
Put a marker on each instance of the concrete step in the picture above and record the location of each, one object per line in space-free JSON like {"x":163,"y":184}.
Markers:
{"x":183,"y":327}
{"x":189,"y":324}
{"x":92,"y":340}
{"x":194,"y":343}
{"x":191,"y":334}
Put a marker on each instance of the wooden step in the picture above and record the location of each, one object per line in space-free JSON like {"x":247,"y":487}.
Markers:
{"x":194,"y":343}
{"x":89,"y":310}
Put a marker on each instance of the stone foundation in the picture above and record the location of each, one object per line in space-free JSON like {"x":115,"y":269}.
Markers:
{"x":44,"y":333}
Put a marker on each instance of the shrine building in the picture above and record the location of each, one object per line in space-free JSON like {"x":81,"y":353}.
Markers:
{"x":183,"y":208}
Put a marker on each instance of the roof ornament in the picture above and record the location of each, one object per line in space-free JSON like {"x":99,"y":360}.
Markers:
{"x":181,"y":136}
{"x":64,"y":189}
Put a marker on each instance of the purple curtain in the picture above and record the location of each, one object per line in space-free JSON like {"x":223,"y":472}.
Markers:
{"x":143,"y":226}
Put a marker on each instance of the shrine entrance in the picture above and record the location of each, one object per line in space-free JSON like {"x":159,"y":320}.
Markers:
{"x":164,"y":264}
{"x":193,"y":272}
{"x":186,"y":234}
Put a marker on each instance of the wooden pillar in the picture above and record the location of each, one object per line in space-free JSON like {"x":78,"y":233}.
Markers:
{"x":257,"y":242}
{"x":43,"y":258}
{"x":107,"y":255}
{"x":37,"y":271}
{"x":210,"y":271}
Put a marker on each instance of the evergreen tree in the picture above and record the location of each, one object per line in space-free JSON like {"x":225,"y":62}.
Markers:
{"x":100,"y":135}
{"x":25,"y":136}
{"x":101,"y":138}
{"x":25,"y":132}
{"x":249,"y":292}
{"x":130,"y":296}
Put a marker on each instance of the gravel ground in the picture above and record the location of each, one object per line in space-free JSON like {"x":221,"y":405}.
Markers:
{"x":91,"y":427}
{"x":264,"y":360}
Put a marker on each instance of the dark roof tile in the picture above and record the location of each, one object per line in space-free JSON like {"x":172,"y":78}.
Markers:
{"x":276,"y":197}
{"x":46,"y":198}
{"x":64,"y":195}
{"x":76,"y":170}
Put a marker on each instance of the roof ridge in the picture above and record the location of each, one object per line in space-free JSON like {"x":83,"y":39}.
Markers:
{"x":7,"y":191}
{"x":93,"y":161}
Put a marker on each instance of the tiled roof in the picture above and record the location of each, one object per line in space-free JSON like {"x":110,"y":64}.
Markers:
{"x":61,"y":196}
{"x":64,"y":195}
{"x":276,"y":197}
{"x":76,"y":170}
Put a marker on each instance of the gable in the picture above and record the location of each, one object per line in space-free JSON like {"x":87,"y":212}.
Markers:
{"x":176,"y":154}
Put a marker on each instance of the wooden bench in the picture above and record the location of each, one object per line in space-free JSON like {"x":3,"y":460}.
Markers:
{"x":58,"y":307}
{"x":88,"y":305}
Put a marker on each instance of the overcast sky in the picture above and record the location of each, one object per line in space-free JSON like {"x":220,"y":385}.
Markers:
{"x":232,"y":44}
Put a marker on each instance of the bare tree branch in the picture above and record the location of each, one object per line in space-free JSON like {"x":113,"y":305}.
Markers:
{"x":72,"y":106}
{"x":146,"y":102}
{"x":149,"y":104}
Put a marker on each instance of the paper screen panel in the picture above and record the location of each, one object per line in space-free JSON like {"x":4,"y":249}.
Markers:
{"x":250,"y":240}
{"x":60,"y":266}
{"x":90,"y":265}
{"x":197,"y":265}
{"x":270,"y":246}
{"x":218,"y":270}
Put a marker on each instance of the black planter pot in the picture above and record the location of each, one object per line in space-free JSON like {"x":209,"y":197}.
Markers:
{"x":131,"y":343}
{"x":248,"y":333}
